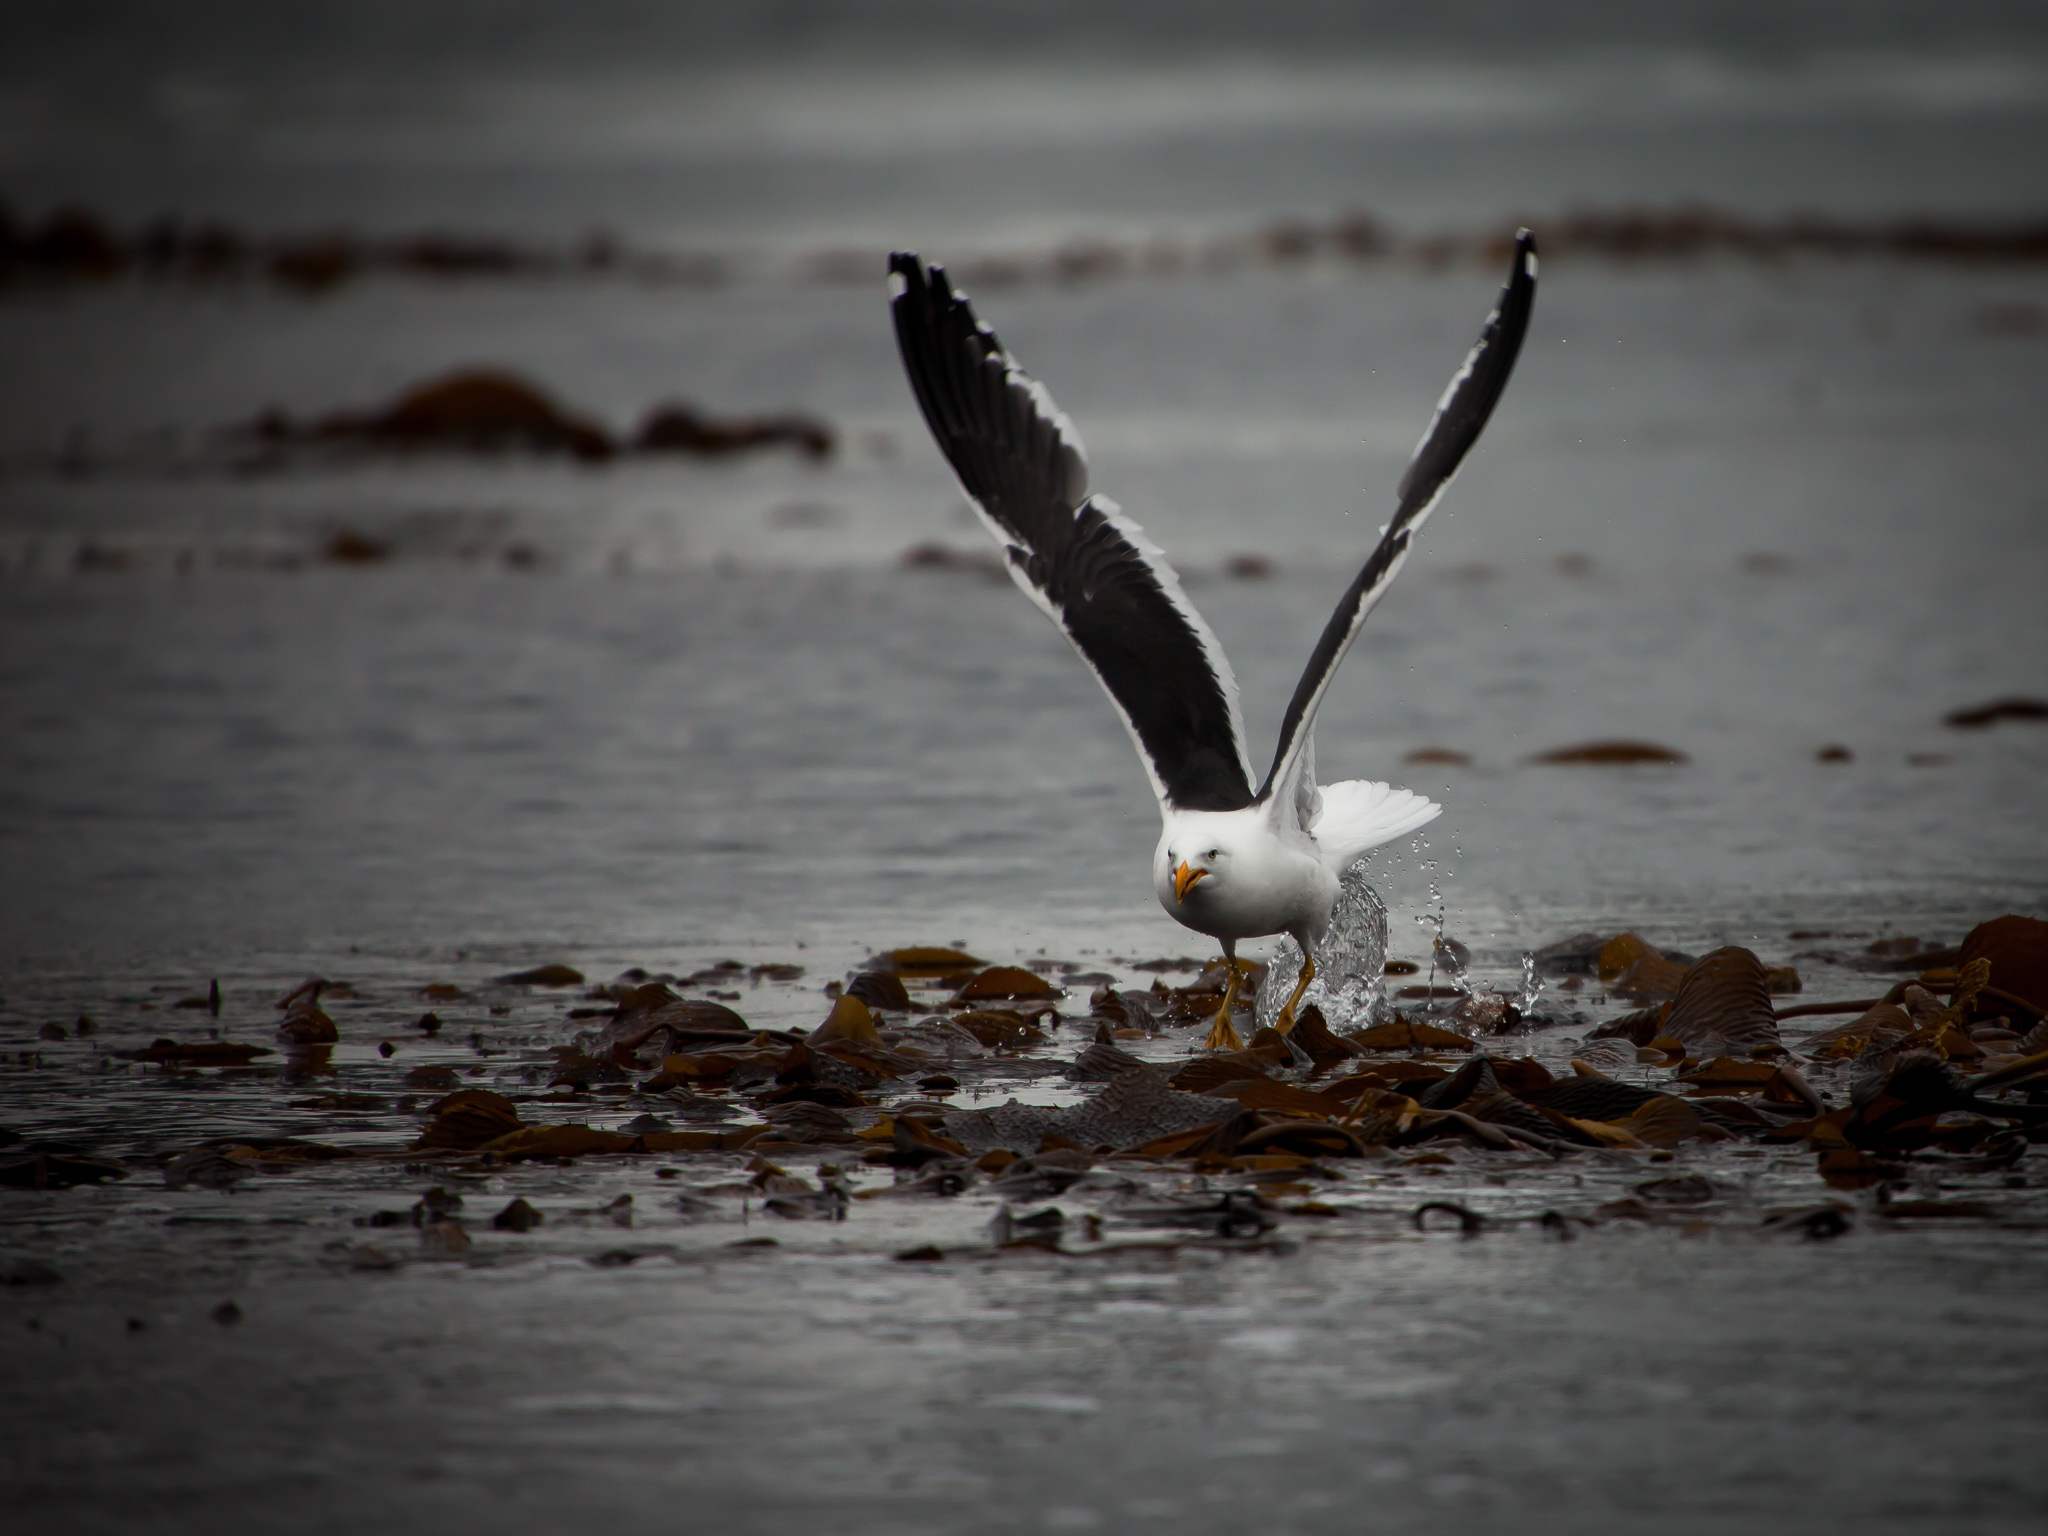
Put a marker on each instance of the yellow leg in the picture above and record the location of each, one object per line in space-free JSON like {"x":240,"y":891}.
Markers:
{"x":1222,"y":1033}
{"x":1285,"y":1023}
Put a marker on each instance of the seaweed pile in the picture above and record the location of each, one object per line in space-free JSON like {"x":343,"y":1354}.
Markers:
{"x":491,"y":410}
{"x":72,"y":244}
{"x":1922,"y":1102}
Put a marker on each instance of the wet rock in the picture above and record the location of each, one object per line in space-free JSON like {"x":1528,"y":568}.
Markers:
{"x":227,"y":1314}
{"x":1607,"y":753}
{"x":1448,"y":757}
{"x":27,"y":1271}
{"x":440,"y":1079}
{"x":681,"y":428}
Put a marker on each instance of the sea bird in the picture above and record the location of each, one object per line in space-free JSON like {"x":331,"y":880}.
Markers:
{"x":1232,"y":862}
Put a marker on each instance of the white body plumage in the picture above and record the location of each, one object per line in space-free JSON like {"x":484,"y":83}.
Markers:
{"x":1244,"y":874}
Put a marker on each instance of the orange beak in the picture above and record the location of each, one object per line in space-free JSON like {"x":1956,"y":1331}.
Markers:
{"x":1185,"y":879}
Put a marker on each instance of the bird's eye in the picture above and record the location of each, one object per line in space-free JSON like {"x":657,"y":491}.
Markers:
{"x":1213,"y":853}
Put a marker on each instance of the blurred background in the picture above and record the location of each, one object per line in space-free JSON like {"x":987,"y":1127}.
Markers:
{"x":458,"y":496}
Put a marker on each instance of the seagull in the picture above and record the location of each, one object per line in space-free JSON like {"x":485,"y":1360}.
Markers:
{"x":1232,"y":862}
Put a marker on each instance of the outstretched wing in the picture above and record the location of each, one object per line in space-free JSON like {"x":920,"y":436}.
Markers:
{"x":1460,"y":415}
{"x":1076,"y":555}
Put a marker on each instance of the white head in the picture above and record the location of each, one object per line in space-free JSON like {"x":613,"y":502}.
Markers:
{"x":1200,"y":851}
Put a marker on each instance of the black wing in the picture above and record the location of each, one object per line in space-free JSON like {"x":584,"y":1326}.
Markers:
{"x":1460,"y":415}
{"x":1077,"y":556}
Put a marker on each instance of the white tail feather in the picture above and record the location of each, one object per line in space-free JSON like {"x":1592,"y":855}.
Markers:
{"x":1359,"y":815}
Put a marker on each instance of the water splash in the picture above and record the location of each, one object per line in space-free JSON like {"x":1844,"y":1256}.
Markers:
{"x":1532,"y":986}
{"x":1351,"y":961}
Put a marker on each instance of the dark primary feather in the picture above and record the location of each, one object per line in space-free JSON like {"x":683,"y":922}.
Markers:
{"x":1460,"y":415}
{"x":1120,"y":605}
